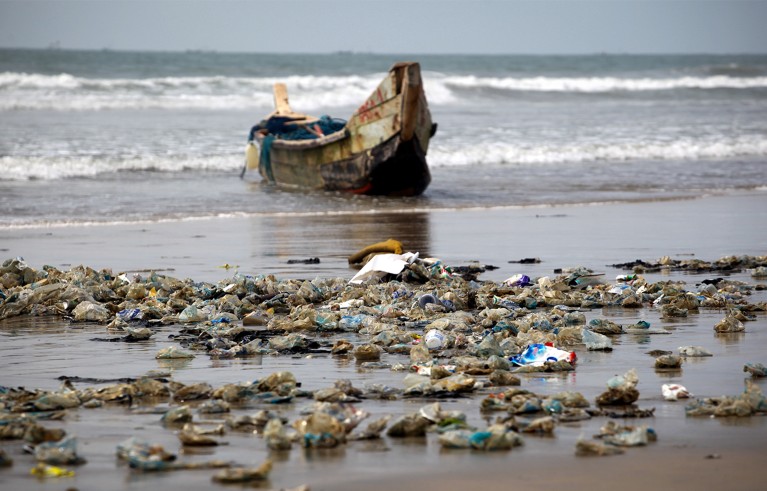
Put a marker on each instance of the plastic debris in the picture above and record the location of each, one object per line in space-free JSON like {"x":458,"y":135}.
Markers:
{"x":5,"y":460}
{"x":621,"y":390}
{"x":668,"y":361}
{"x":59,"y":453}
{"x":748,"y":403}
{"x":482,"y":325}
{"x":391,"y":246}
{"x":537,"y":354}
{"x":585,"y":448}
{"x":408,"y":425}
{"x":595,"y":341}
{"x":626,"y":436}
{"x":672,"y":392}
{"x":694,"y":351}
{"x":141,"y":455}
{"x":381,"y":265}
{"x":191,"y":436}
{"x":756,"y":370}
{"x":434,"y":339}
{"x":730,"y":323}
{"x":496,"y":437}
{"x":519,"y":280}
{"x":90,"y":311}
{"x":178,"y":415}
{"x":544,"y":425}
{"x":244,"y":474}
{"x":172,"y":353}
{"x":44,"y":470}
{"x":368,"y":352}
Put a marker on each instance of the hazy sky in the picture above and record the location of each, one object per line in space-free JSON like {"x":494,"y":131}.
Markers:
{"x":393,"y":26}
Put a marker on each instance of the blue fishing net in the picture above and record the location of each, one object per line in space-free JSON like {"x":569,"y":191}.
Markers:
{"x":325,"y":126}
{"x":286,"y":128}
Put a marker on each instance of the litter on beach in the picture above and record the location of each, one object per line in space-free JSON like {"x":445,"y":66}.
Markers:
{"x":406,"y":329}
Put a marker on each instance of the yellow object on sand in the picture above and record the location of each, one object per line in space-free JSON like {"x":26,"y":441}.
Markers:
{"x":388,"y":246}
{"x":43,"y":470}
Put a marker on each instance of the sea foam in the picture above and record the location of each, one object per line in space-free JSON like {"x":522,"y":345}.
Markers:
{"x":23,"y":91}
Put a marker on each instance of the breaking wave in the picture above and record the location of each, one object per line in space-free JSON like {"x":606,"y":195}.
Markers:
{"x":23,"y":91}
{"x":682,"y":149}
{"x":20,"y":168}
{"x":17,"y":168}
{"x":605,"y":84}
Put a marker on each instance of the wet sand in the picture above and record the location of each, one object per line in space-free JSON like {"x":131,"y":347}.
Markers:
{"x":561,"y":236}
{"x":35,"y":351}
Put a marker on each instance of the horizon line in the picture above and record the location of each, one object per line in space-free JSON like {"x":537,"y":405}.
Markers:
{"x":55,"y":48}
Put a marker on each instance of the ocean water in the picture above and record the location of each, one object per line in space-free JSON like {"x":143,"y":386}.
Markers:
{"x":116,"y":137}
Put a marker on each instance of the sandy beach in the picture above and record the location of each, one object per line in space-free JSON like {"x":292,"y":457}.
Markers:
{"x":690,"y":454}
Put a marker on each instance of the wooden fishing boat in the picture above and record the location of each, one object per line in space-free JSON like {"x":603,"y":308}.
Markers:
{"x":381,"y":150}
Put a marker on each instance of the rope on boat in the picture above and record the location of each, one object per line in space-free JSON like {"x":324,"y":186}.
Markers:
{"x":266,"y":152}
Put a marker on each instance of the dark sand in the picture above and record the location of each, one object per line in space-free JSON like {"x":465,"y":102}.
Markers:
{"x":34,"y":352}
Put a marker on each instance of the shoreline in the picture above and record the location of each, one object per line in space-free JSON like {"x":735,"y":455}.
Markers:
{"x":373,"y":212}
{"x":561,"y":236}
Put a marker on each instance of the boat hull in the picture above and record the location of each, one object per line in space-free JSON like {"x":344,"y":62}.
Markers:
{"x":381,"y":150}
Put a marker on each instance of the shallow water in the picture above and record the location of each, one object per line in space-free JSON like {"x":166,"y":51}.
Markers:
{"x":111,"y":137}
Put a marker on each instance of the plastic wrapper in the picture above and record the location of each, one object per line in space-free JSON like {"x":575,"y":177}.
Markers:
{"x":277,"y":435}
{"x":585,"y":448}
{"x":694,"y":351}
{"x":63,"y":452}
{"x":621,"y":390}
{"x":595,"y":341}
{"x":380,"y":265}
{"x":756,"y":370}
{"x":672,"y":392}
{"x":244,"y":474}
{"x":537,"y":354}
{"x":172,"y":353}
{"x":90,"y":311}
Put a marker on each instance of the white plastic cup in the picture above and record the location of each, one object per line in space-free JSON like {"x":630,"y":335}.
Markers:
{"x":434,"y":339}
